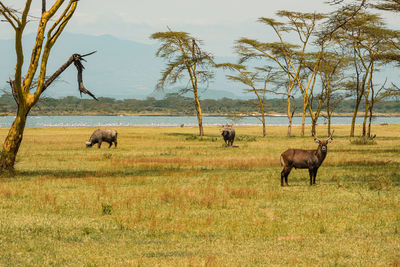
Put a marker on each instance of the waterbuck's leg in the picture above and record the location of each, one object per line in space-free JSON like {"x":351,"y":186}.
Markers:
{"x":286,"y":179}
{"x":311,"y":172}
{"x":109,"y":144}
{"x":115,"y":144}
{"x":315,"y":175}
{"x":99,"y":144}
{"x":284,"y":175}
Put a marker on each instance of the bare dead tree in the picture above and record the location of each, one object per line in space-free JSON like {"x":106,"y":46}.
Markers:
{"x":27,"y":89}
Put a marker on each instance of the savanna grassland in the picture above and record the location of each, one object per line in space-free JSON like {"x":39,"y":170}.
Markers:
{"x":167,"y":197}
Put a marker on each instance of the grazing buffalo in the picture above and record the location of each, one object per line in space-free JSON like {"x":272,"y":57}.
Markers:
{"x":229,"y":135}
{"x":103,"y":135}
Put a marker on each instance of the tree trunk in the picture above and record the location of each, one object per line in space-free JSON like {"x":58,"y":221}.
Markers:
{"x":263,"y":119}
{"x":290,"y":117}
{"x":353,"y":120}
{"x":263,"y":125}
{"x":370,"y":119}
{"x":289,"y":130}
{"x":364,"y":127}
{"x":303,"y":120}
{"x":328,"y":112}
{"x":199,"y":114}
{"x":13,"y":141}
{"x":313,"y":127}
{"x":360,"y":94}
{"x":367,"y":106}
{"x":329,"y":124}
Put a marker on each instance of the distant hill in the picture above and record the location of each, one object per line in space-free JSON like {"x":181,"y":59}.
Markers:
{"x":120,"y":69}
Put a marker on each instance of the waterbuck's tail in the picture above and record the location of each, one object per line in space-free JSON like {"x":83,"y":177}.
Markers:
{"x":282,"y":161}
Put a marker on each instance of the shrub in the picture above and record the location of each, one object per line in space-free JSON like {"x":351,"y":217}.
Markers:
{"x":379,"y":183}
{"x":107,"y":155}
{"x":106,"y":208}
{"x":202,"y":138}
{"x":363,"y":140}
{"x":246,"y":138}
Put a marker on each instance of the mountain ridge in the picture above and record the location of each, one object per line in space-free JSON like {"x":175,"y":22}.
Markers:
{"x":120,"y":68}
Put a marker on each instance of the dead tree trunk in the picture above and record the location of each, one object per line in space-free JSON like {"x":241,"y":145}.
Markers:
{"x":13,"y":140}
{"x":14,"y":137}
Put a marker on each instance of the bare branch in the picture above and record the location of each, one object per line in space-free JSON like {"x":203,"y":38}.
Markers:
{"x":25,"y":13}
{"x":8,"y":14}
{"x":388,"y":5}
{"x":43,"y":6}
{"x":51,"y":39}
{"x":64,"y":18}
{"x":76,"y":59}
{"x":80,"y":67}
{"x":342,"y":22}
{"x":14,"y":93}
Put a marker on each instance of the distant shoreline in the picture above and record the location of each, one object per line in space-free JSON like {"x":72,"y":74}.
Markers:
{"x":158,"y":120}
{"x":205,"y":115}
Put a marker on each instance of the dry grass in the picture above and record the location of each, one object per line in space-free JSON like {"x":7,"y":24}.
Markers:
{"x":165,"y":197}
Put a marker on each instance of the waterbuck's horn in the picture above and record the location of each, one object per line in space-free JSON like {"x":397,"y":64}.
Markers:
{"x":316,"y":139}
{"x":330,"y":136}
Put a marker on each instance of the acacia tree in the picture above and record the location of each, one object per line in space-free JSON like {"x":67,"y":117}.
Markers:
{"x":251,"y":79}
{"x":281,"y":53}
{"x":27,"y":89}
{"x":394,"y":54}
{"x":307,"y":90}
{"x":372,"y":97}
{"x":305,"y":25}
{"x":388,"y":5}
{"x":331,"y":76}
{"x":379,"y":56}
{"x":379,"y":45}
{"x":290,"y":58}
{"x":184,"y":55}
{"x":366,"y":38}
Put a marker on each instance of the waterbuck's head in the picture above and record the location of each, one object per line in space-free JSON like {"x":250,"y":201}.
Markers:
{"x":88,"y":144}
{"x":323,"y":144}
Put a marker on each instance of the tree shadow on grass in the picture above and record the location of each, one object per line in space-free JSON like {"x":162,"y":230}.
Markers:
{"x":31,"y":174}
{"x":180,"y":134}
{"x":372,"y":178}
{"x":366,"y":164}
{"x":191,"y":135}
{"x":374,"y":151}
{"x":119,"y":173}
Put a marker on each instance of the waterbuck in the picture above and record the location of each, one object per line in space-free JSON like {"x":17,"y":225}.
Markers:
{"x":304,"y":159}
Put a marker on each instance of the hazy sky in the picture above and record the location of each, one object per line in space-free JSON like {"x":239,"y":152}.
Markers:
{"x":217,"y":22}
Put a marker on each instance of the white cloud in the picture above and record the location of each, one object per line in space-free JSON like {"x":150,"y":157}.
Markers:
{"x":217,"y":22}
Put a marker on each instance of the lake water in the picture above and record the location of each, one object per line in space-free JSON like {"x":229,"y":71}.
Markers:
{"x":168,"y":121}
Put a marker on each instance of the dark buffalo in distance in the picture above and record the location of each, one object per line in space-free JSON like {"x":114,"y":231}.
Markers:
{"x":228,"y":135}
{"x":103,"y":135}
